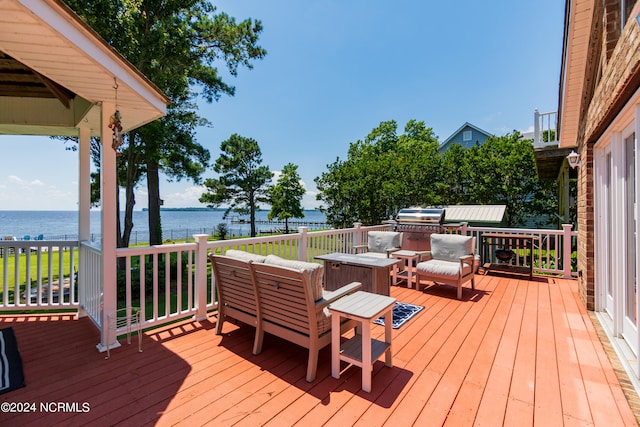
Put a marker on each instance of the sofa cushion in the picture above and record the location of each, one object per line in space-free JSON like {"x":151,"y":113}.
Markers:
{"x":380,"y":241}
{"x":316,"y":272}
{"x":244,"y":255}
{"x":444,"y":270}
{"x":450,"y":247}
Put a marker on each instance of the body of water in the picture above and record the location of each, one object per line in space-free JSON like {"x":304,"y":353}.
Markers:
{"x":176,"y":224}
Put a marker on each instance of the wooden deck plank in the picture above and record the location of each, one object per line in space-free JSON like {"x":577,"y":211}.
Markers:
{"x":437,"y":409}
{"x":604,"y":368}
{"x":521,"y":393}
{"x":575,"y":406}
{"x":493,"y":405}
{"x":548,"y":408}
{"x":514,"y":350}
{"x":464,"y":409}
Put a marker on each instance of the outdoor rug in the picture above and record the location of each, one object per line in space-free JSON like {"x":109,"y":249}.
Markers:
{"x":11,"y":375}
{"x":402,"y":312}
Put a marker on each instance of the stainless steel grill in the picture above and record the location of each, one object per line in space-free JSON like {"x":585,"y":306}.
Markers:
{"x":417,"y":224}
{"x":421,"y":216}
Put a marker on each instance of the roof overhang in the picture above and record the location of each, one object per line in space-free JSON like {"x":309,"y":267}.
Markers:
{"x":77,"y":66}
{"x":577,"y":30}
{"x":549,"y":161}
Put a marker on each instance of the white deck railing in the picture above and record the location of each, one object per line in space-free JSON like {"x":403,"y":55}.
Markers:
{"x":545,"y":129}
{"x":170,"y":282}
{"x":553,"y":248}
{"x":30,"y":264}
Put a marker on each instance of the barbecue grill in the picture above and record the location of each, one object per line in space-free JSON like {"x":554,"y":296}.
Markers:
{"x":417,"y":224}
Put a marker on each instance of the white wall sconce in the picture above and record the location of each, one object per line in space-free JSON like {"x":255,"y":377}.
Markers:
{"x":574,"y":159}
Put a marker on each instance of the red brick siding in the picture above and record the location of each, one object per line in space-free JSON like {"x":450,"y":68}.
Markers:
{"x":621,"y":59}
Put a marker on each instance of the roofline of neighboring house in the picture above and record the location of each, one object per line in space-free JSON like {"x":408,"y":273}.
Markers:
{"x":448,"y":140}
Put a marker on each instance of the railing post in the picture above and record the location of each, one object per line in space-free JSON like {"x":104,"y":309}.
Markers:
{"x":201,"y":276}
{"x":463,"y":228}
{"x":302,"y":249}
{"x":536,"y":128}
{"x":357,"y":238}
{"x":566,"y":250}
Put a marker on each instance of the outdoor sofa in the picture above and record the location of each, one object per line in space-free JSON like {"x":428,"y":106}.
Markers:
{"x":278,"y":296}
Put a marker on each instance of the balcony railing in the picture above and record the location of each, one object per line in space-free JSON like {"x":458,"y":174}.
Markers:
{"x":545,"y":129}
{"x":170,"y":282}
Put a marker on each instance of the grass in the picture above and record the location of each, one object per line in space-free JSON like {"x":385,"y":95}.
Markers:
{"x":28,"y":269}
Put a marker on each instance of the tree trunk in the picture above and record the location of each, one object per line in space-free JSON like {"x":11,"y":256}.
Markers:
{"x":153,"y":188}
{"x":130,"y":198}
{"x":252,"y":214}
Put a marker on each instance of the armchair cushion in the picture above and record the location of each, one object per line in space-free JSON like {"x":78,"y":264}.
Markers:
{"x":316,"y":272}
{"x":380,"y":241}
{"x":444,"y":270}
{"x":450,"y":247}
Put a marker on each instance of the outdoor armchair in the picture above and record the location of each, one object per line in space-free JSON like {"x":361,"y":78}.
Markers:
{"x":450,"y":261}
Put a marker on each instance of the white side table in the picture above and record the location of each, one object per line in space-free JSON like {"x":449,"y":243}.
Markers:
{"x":361,"y":350}
{"x":412,"y":259}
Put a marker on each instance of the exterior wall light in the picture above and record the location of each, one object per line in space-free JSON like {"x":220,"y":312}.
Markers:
{"x":574,"y":159}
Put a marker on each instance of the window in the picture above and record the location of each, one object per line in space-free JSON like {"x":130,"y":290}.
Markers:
{"x":466,"y":135}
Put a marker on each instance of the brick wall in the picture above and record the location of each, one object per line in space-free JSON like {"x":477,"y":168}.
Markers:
{"x":586,"y":272}
{"x":620,"y":65}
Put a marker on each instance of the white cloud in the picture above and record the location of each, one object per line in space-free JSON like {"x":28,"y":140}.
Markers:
{"x":21,"y":194}
{"x":15,"y":180}
{"x":187,"y":198}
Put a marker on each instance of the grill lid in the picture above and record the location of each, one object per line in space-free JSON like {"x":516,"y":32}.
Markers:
{"x":419,"y":215}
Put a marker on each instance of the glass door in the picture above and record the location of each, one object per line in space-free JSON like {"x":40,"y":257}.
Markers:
{"x":609,"y":232}
{"x":630,"y":322}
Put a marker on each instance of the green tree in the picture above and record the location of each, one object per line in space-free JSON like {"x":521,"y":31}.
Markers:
{"x":381,"y":174}
{"x":286,"y":196}
{"x":178,"y":45}
{"x":502,"y":171}
{"x":454,"y":182}
{"x":243,"y":181}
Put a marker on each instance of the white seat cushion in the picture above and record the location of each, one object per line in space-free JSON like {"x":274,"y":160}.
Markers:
{"x":444,"y":270}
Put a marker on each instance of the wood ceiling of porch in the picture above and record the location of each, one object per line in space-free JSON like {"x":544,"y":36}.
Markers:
{"x":18,"y":80}
{"x":47,"y":52}
{"x":514,"y":352}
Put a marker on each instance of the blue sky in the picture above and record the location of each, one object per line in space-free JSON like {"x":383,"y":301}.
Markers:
{"x":336,"y":69}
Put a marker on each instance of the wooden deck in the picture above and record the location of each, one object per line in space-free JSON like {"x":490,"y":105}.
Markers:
{"x":514,"y":352}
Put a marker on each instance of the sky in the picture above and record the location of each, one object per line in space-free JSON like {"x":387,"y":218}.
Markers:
{"x":335,"y":70}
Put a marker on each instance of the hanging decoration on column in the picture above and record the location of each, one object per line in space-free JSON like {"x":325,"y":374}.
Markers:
{"x":115,"y":122}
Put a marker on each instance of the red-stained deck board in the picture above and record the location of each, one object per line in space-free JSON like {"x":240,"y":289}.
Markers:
{"x":513,"y":351}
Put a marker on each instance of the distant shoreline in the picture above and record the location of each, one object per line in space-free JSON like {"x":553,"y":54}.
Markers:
{"x":207,"y":209}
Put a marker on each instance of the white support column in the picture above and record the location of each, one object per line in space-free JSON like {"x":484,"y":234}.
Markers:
{"x":84,"y":207}
{"x":201,"y":277}
{"x":109,"y":193}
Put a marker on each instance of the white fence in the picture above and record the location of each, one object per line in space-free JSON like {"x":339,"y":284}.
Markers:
{"x":170,"y":282}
